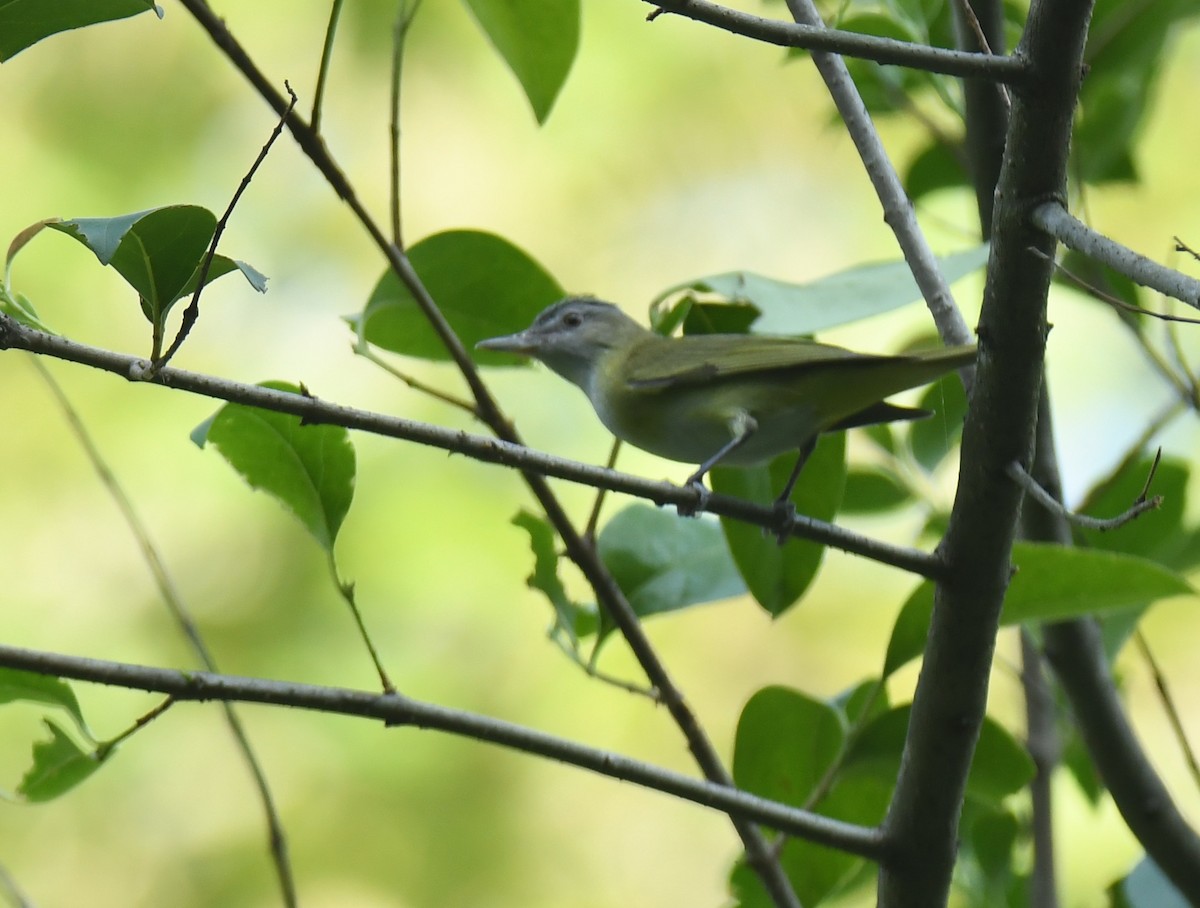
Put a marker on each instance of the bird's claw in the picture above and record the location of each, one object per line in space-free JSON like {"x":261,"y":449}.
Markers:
{"x":696,"y":484}
{"x":785,"y":517}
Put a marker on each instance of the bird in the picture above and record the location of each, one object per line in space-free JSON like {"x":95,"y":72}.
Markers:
{"x":736,"y":400}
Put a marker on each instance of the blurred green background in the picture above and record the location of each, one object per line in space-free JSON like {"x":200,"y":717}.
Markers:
{"x":674,"y":151}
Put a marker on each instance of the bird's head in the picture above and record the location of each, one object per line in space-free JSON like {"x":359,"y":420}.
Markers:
{"x":572,"y":337}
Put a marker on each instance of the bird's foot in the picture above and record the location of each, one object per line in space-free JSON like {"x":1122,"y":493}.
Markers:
{"x":696,"y":484}
{"x":785,"y":518}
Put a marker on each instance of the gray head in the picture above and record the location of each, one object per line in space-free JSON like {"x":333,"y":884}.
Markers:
{"x":571,"y":336}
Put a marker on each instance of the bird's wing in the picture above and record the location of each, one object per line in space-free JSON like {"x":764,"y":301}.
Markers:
{"x":674,"y":362}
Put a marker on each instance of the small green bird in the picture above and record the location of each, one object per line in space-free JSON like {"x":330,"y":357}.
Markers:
{"x":734,"y":399}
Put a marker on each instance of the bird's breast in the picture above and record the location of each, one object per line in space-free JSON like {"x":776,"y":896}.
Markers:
{"x":689,"y":424}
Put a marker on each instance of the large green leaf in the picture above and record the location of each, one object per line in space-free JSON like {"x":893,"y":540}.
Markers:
{"x":25,"y":22}
{"x":786,"y":744}
{"x":664,"y":562}
{"x":786,"y":741}
{"x":483,"y":284}
{"x":1051,"y":583}
{"x":778,"y":575}
{"x":848,"y":296}
{"x":159,"y":252}
{"x":538,"y":39}
{"x":309,"y":469}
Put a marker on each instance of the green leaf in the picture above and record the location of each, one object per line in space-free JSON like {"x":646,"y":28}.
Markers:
{"x":34,"y":688}
{"x":776,"y":575}
{"x":847,"y":296}
{"x":936,"y":167}
{"x":785,"y":743}
{"x":19,"y":307}
{"x":991,"y":836}
{"x":25,"y":22}
{"x":664,"y":562}
{"x":870,"y":490}
{"x":571,"y":618}
{"x":1159,"y":534}
{"x":309,"y":469}
{"x":930,"y":440}
{"x":58,"y":766}
{"x":538,"y":39}
{"x":1147,"y":887}
{"x":1051,"y":583}
{"x":159,"y":252}
{"x":1124,"y":55}
{"x":484,"y":285}
{"x":1001,"y":766}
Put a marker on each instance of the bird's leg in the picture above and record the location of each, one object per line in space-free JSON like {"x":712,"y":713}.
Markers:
{"x":784,"y":509}
{"x":743,"y":426}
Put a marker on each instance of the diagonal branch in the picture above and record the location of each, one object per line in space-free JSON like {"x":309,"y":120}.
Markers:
{"x":395,"y":709}
{"x":1053,"y":218}
{"x":850,"y":44}
{"x":759,"y":853}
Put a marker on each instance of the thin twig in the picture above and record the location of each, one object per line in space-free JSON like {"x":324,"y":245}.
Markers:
{"x":10,"y":889}
{"x":193,"y":310}
{"x":1181,"y":246}
{"x":107,"y":747}
{"x":346,"y":591}
{"x":364,"y":350}
{"x":968,"y":15}
{"x":404,"y":21}
{"x":589,"y":531}
{"x":173,"y":600}
{"x":1044,"y":744}
{"x":1107,"y":297}
{"x":1143,"y":504}
{"x":850,"y":44}
{"x":397,"y":710}
{"x":1168,"y":702}
{"x":335,"y":12}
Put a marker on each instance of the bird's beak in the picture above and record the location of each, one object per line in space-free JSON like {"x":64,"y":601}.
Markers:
{"x":520,"y":343}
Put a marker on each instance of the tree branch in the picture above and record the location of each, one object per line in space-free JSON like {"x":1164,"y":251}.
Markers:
{"x":951,"y":696}
{"x":395,"y":709}
{"x":1053,"y":218}
{"x":14,"y":335}
{"x":851,"y":44}
{"x":1075,"y":650}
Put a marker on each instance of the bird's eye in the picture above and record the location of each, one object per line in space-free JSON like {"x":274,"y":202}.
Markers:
{"x":572,"y":319}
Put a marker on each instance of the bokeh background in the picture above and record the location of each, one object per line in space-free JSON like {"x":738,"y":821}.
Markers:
{"x":674,"y":151}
